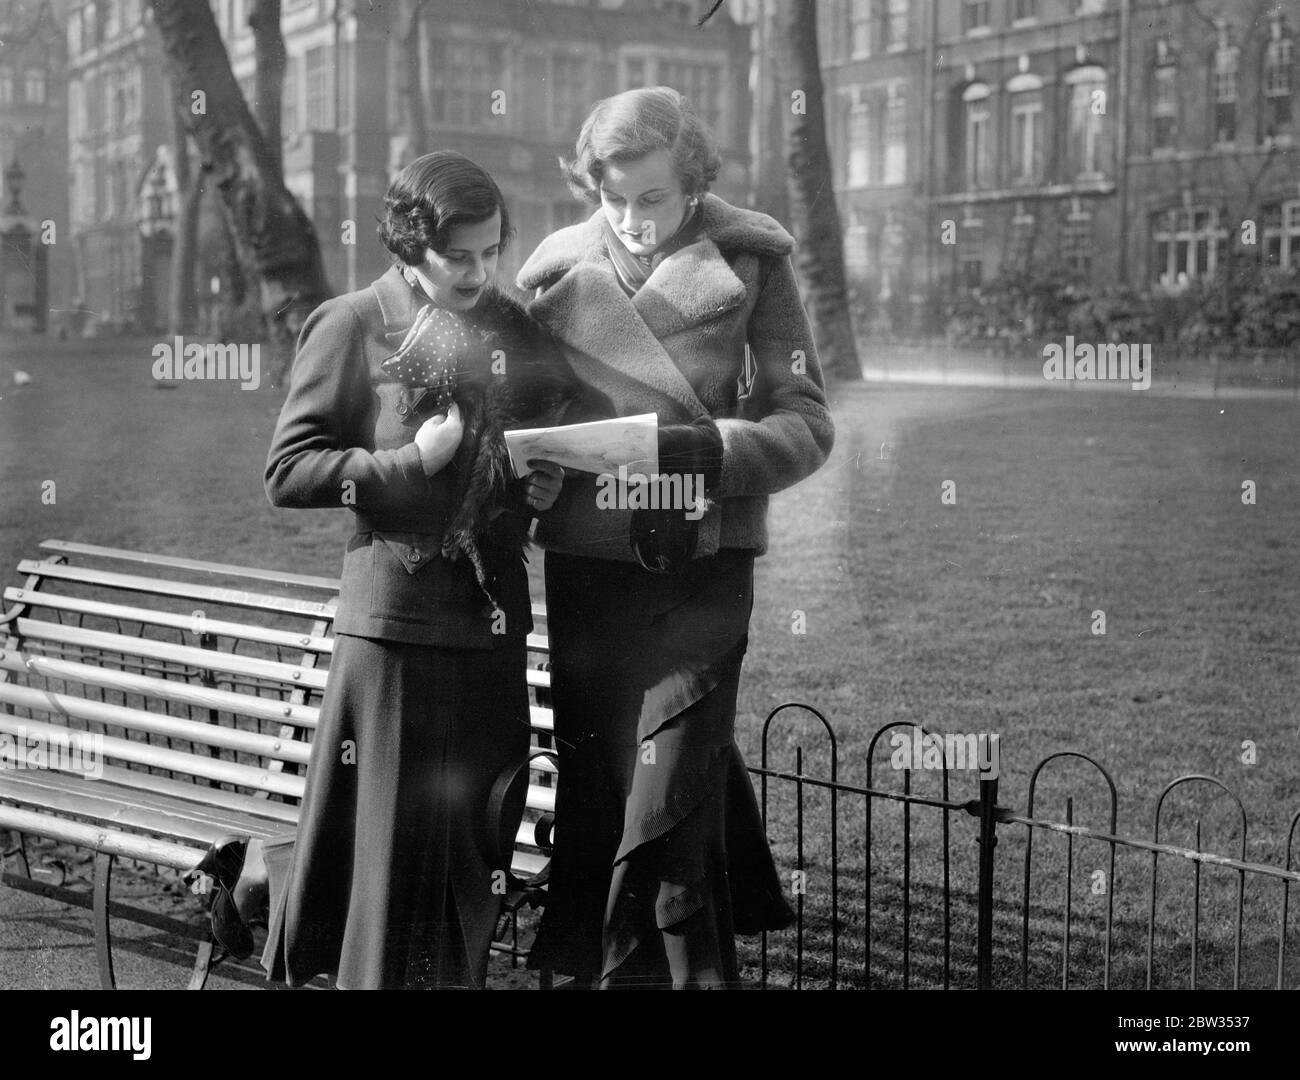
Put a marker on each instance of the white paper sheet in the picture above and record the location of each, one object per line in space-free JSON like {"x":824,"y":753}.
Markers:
{"x":601,"y":446}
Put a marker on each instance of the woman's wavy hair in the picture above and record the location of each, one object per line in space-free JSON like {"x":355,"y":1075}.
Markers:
{"x":430,"y":197}
{"x":634,"y":123}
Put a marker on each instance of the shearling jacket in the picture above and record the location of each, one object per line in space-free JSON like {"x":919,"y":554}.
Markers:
{"x":677,"y":348}
{"x":345,"y":438}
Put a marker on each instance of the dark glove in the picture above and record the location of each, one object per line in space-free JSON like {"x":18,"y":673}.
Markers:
{"x":692,"y":448}
{"x":664,"y":540}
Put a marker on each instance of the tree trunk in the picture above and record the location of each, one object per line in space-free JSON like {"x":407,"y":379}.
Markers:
{"x":273,"y":232}
{"x":182,"y":301}
{"x":272,"y":59}
{"x":813,"y":216}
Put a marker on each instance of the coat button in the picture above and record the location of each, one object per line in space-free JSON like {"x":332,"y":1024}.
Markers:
{"x":402,"y":410}
{"x":414,"y":556}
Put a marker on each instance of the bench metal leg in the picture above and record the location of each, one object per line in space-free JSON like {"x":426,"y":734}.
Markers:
{"x":20,"y":849}
{"x":103,"y":942}
{"x":202,"y":962}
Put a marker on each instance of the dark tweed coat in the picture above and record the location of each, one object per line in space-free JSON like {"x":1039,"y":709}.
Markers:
{"x":677,"y":349}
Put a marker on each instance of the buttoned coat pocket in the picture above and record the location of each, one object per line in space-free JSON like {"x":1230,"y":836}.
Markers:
{"x":413,"y":582}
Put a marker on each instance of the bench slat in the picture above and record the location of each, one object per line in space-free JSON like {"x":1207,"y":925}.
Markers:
{"x":62,"y":793}
{"x":98,"y":838}
{"x":201,"y":797}
{"x":182,"y":693}
{"x":142,"y":753}
{"x":175,"y":727}
{"x":525,"y":864}
{"x":278,"y":577}
{"x":290,"y":675}
{"x":181,"y":590}
{"x":173,"y":620}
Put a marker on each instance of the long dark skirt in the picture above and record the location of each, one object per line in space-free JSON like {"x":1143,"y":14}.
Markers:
{"x":660,"y":853}
{"x":392,"y":882}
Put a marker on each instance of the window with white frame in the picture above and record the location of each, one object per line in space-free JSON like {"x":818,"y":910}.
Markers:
{"x":700,"y":83}
{"x":464,"y":74}
{"x":975,"y":136}
{"x":1187,"y":245}
{"x":1282,"y":234}
{"x":1226,"y":59}
{"x":1278,"y":82}
{"x":859,"y":159}
{"x":1026,"y":95}
{"x":1024,"y":10}
{"x":1087,"y":120}
{"x":895,"y":157}
{"x":1164,"y":107}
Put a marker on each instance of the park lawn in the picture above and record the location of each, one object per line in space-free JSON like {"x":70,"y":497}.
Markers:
{"x":973,"y":617}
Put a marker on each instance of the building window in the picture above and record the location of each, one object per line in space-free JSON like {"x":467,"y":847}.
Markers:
{"x":1023,"y":10}
{"x":974,"y":15}
{"x":1076,"y":242}
{"x":859,"y":160}
{"x":75,"y":107}
{"x":464,"y":74}
{"x":319,"y":86}
{"x":1225,"y":94}
{"x":634,"y":68}
{"x":571,"y":100}
{"x":856,"y":237}
{"x":860,"y":17}
{"x":1188,"y":243}
{"x":1087,"y":116}
{"x":1282,"y":235}
{"x":35,"y":87}
{"x":970,"y":253}
{"x":1026,"y":94}
{"x":1277,"y":82}
{"x":1164,"y":108}
{"x":701,"y":84}
{"x":6,"y":86}
{"x":1020,"y":244}
{"x":895,"y":170}
{"x":975,"y":144}
{"x":289,"y":111}
{"x":894,"y":24}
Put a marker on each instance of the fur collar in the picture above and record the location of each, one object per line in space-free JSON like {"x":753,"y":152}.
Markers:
{"x":731,"y":228}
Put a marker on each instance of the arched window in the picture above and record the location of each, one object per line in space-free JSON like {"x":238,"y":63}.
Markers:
{"x":976,"y":157}
{"x":1087,"y":90}
{"x":1026,"y":95}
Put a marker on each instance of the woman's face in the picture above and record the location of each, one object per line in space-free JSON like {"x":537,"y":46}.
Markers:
{"x":643,"y":201}
{"x":455,"y":278}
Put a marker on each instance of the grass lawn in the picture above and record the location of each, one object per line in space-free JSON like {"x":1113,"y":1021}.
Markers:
{"x":971,"y":617}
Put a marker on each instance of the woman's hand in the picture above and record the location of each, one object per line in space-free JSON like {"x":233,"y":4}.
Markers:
{"x":438,"y":438}
{"x":542,"y":485}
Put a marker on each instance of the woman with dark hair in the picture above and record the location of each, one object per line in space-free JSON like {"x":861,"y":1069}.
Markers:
{"x":395,"y":410}
{"x":667,"y":300}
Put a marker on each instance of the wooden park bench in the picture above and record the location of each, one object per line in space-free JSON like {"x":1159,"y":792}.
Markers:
{"x":152,"y":705}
